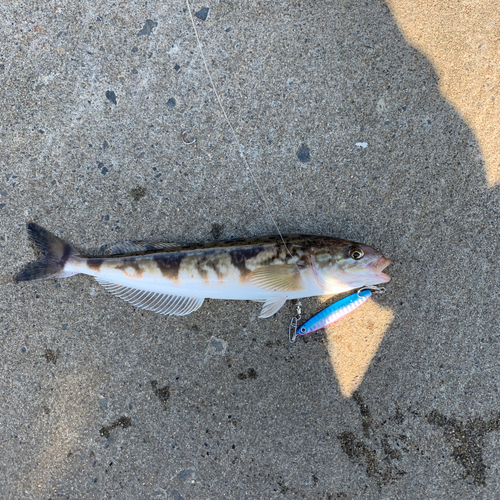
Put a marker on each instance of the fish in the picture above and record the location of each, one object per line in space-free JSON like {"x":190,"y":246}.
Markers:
{"x":335,"y":312}
{"x":175,"y":278}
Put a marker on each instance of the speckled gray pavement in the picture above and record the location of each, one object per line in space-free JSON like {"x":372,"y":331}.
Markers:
{"x":102,"y":400}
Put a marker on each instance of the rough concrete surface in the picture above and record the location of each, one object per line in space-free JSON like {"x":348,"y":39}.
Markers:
{"x":102,"y":400}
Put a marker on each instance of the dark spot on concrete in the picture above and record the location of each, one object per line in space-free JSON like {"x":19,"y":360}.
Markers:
{"x":363,"y":455}
{"x":217,"y":345}
{"x":2,"y":205}
{"x":46,"y":410}
{"x":104,"y":171}
{"x":105,"y":145}
{"x":41,"y":131}
{"x":217,"y":230}
{"x":376,"y":454}
{"x":64,"y":326}
{"x":184,"y":474}
{"x":202,"y":13}
{"x":163,"y":393}
{"x":171,"y":103}
{"x":95,"y":264}
{"x":106,"y":217}
{"x":169,"y":264}
{"x":177,"y":68}
{"x":148,"y":27}
{"x":303,"y":154}
{"x":274,"y":343}
{"x":365,"y":413}
{"x":50,"y":356}
{"x":177,"y":495}
{"x":467,"y":441}
{"x":111,"y":96}
{"x":315,"y":479}
{"x":23,"y":350}
{"x":134,"y":49}
{"x":390,"y":453}
{"x":251,"y":373}
{"x":138,"y":192}
{"x":283,"y":488}
{"x":123,"y":422}
{"x":398,"y":418}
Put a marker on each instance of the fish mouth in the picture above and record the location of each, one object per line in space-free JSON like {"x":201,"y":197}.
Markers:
{"x":379,"y":266}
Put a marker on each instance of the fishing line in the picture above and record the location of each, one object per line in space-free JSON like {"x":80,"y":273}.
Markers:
{"x":240,"y":147}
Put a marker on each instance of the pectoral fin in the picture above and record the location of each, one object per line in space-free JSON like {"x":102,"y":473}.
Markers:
{"x":272,"y":306}
{"x":281,"y":278}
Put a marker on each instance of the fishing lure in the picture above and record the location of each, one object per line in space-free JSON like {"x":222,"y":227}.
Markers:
{"x":332,"y":313}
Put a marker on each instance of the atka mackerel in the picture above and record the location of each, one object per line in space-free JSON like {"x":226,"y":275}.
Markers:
{"x":172,"y":278}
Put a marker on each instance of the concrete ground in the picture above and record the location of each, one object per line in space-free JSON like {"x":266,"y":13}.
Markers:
{"x":102,"y":400}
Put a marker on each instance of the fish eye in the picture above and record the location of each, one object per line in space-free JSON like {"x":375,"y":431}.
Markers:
{"x":356,"y":253}
{"x":302,"y":330}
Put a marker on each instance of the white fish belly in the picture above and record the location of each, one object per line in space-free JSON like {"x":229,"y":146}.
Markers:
{"x":189,"y":283}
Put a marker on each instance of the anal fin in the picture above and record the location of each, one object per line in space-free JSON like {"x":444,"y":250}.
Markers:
{"x":154,"y":301}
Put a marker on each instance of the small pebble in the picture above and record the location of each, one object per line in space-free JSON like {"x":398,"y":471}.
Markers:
{"x":303,"y":154}
{"x":202,"y":13}
{"x":148,"y":27}
{"x":111,"y":96}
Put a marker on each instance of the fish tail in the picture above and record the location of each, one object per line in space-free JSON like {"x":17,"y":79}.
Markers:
{"x":55,"y":253}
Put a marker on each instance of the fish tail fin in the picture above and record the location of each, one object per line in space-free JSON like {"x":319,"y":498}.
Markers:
{"x":55,"y":253}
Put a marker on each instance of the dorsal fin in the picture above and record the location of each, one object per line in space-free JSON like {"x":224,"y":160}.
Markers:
{"x":139,"y":246}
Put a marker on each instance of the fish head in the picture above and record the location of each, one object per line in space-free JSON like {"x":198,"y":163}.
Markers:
{"x":344,"y":265}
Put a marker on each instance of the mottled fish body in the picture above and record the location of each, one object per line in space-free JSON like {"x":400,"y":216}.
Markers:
{"x":171,"y":278}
